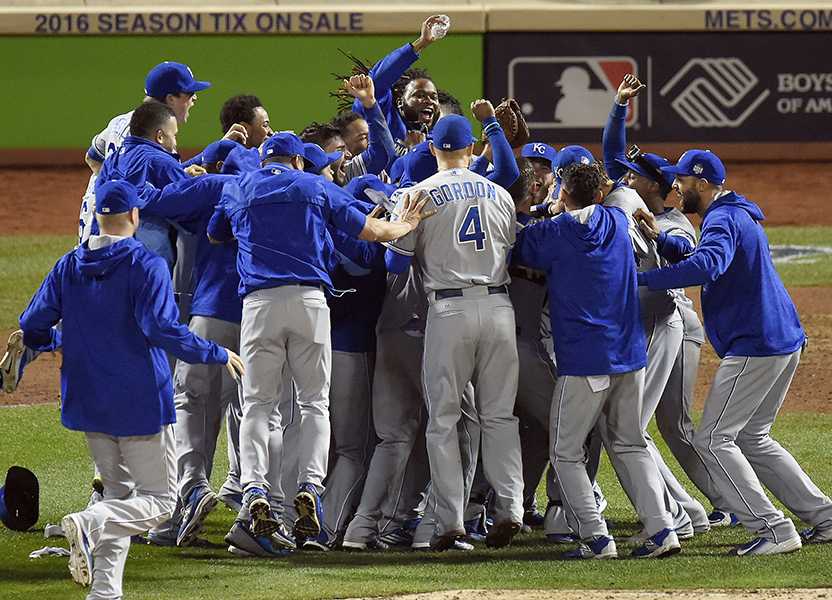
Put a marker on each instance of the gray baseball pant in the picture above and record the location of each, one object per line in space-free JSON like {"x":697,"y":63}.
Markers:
{"x":664,"y":343}
{"x":472,"y":338}
{"x":674,"y":418}
{"x":285,"y":325}
{"x":616,"y":407}
{"x":352,"y":435}
{"x":469,"y":434}
{"x":139,"y":477}
{"x":735,"y":440}
{"x":202,"y":396}
{"x":398,"y":468}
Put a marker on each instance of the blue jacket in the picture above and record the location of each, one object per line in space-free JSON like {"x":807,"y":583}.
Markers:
{"x":191,"y":203}
{"x":359,"y":266}
{"x":279,"y":217}
{"x":115,"y":377}
{"x":747,"y":310}
{"x":385,"y":74}
{"x":138,"y":161}
{"x":593,"y":296}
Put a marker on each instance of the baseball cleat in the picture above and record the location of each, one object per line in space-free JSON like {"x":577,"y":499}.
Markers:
{"x":817,"y":535}
{"x":700,"y":528}
{"x":501,"y":534}
{"x":165,"y":540}
{"x":445,"y":541}
{"x":477,"y":528}
{"x":397,"y":537}
{"x":761,"y":546}
{"x":370,"y":546}
{"x":682,"y":533}
{"x":245,"y":543}
{"x":458,"y":545}
{"x":80,"y":553}
{"x":599,"y":548}
{"x":561,"y":538}
{"x":321,"y":543}
{"x":721,"y":518}
{"x":533,"y":518}
{"x":201,"y":501}
{"x":10,"y":364}
{"x":662,"y":544}
{"x":260,"y":513}
{"x":310,"y":512}
{"x":283,"y":538}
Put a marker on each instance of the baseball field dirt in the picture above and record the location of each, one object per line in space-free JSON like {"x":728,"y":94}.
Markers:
{"x":43,"y":201}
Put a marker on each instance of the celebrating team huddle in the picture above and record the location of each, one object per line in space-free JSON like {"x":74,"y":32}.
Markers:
{"x":403,"y":336}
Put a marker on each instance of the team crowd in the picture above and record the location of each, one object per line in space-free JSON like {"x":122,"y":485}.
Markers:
{"x":404,"y":336}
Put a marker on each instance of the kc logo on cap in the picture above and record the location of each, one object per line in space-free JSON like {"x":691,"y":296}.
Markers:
{"x":697,"y":168}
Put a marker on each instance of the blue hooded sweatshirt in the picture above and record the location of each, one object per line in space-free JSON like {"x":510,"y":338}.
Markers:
{"x":593,"y":297}
{"x":747,"y":310}
{"x":115,"y":377}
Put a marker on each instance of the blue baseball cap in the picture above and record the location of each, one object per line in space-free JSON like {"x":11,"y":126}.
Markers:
{"x":116,"y":197}
{"x":315,"y":159}
{"x":569,"y":155}
{"x":172,"y":78}
{"x":540,"y":151}
{"x":418,"y":164}
{"x":19,"y":499}
{"x":703,"y":164}
{"x":643,"y":165}
{"x":358,"y":188}
{"x":217,"y":151}
{"x":452,"y":132}
{"x":283,"y":143}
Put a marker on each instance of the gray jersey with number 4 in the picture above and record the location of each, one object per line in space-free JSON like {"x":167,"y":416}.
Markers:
{"x":467,"y":241}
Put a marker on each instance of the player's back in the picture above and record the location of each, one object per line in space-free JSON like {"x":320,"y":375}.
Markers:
{"x":467,"y":241}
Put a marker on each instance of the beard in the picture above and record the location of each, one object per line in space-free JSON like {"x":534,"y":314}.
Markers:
{"x":691,"y":201}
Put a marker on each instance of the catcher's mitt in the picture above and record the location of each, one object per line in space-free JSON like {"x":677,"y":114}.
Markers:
{"x":513,"y":122}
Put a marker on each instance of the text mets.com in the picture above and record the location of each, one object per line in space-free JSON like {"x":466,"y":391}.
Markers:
{"x":763,"y":19}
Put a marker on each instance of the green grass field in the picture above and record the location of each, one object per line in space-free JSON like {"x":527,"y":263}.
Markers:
{"x":33,"y":437}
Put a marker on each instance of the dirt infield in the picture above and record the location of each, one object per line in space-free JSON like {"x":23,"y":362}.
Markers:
{"x":761,"y":594}
{"x":46,"y":201}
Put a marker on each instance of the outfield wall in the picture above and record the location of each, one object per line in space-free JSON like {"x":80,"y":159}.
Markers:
{"x":750,"y":79}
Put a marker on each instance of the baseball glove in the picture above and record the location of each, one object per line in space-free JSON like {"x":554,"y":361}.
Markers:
{"x":513,"y":122}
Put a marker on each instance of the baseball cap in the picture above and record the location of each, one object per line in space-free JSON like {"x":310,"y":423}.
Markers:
{"x":217,"y":151}
{"x":418,"y":164}
{"x":315,"y":159}
{"x":172,"y":78}
{"x":570,"y":155}
{"x":649,"y":165}
{"x":540,"y":151}
{"x":363,"y":186}
{"x":116,"y":197}
{"x":283,"y":143}
{"x":19,"y":499}
{"x":699,"y":163}
{"x":452,"y":132}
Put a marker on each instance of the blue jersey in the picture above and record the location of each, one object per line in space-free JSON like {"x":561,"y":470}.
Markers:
{"x":593,"y":296}
{"x":279,"y":217}
{"x":141,"y":161}
{"x":115,"y":377}
{"x":746,"y":308}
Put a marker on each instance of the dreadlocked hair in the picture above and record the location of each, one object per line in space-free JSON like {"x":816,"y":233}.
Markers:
{"x":344,"y":99}
{"x":319,"y":133}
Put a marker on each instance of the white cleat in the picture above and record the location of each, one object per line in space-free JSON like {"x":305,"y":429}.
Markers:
{"x":762,"y":546}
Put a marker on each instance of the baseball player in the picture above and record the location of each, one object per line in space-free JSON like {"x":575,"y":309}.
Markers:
{"x":115,"y":381}
{"x":274,"y":214}
{"x":661,"y":312}
{"x":755,"y":330}
{"x":469,"y":335}
{"x":601,"y":355}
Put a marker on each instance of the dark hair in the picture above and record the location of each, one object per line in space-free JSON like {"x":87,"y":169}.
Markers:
{"x":360,"y":67}
{"x":447,"y":99}
{"x":319,"y":133}
{"x":238,"y":109}
{"x":582,"y":182}
{"x":149,"y":117}
{"x":345,"y":119}
{"x":520,"y":188}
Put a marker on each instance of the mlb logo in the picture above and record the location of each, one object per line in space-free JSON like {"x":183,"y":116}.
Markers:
{"x":569,"y":92}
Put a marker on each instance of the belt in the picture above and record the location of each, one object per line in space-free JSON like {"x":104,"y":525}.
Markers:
{"x":442,"y":294}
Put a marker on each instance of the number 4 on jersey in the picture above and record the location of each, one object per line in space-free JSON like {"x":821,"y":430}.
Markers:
{"x":471,"y":229}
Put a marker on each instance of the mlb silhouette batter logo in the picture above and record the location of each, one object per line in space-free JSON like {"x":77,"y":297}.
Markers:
{"x":569,"y":92}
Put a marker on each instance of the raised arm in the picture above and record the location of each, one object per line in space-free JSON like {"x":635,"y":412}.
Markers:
{"x":381,"y":150}
{"x":615,"y":132}
{"x":505,"y":171}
